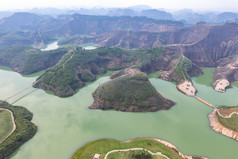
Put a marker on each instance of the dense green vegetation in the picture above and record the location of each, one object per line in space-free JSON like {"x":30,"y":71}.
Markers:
{"x":181,"y":69}
{"x":133,"y":155}
{"x":25,"y":129}
{"x":146,"y":56}
{"x":27,"y":60}
{"x":130,"y":93}
{"x":126,"y":89}
{"x":105,"y":145}
{"x":230,"y":123}
{"x":80,"y":66}
{"x":6,"y":123}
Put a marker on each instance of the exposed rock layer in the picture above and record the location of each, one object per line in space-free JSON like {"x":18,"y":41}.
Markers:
{"x":218,"y":127}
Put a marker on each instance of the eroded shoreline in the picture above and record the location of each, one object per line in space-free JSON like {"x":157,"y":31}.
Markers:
{"x":218,"y":127}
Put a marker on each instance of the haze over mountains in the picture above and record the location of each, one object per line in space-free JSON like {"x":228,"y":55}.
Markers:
{"x":139,"y":28}
{"x":186,"y":15}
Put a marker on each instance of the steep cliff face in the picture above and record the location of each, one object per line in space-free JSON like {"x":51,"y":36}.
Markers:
{"x":148,"y":39}
{"x":131,"y":91}
{"x":221,"y":42}
{"x":227,"y":69}
{"x":94,"y":25}
{"x":188,"y":35}
{"x":130,"y":40}
{"x":222,"y":124}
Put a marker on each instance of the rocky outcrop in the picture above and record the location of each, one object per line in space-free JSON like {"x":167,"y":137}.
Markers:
{"x":221,"y":42}
{"x":218,"y":127}
{"x":130,"y":40}
{"x":188,"y":35}
{"x":227,"y":70}
{"x":148,"y":39}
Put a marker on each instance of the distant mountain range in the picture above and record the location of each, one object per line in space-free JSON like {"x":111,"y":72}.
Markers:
{"x":150,"y":30}
{"x":188,"y":16}
{"x":23,"y":28}
{"x":201,"y":44}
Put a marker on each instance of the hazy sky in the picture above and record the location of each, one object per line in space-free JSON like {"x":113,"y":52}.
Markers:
{"x":222,"y":5}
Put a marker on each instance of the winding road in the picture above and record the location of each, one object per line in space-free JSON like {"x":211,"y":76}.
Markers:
{"x":136,"y":149}
{"x":229,"y":116}
{"x":13,"y":122}
{"x":181,"y":63}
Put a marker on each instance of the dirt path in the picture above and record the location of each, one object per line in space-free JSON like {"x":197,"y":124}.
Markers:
{"x":181,"y":63}
{"x":184,"y":77}
{"x":68,"y":60}
{"x":136,"y":149}
{"x":229,"y":116}
{"x":14,"y":125}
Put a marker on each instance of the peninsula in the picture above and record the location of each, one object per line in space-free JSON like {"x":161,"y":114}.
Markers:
{"x":224,"y":120}
{"x":136,"y":148}
{"x":23,"y":130}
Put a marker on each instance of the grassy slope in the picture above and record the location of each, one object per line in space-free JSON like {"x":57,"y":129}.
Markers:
{"x":181,"y":70}
{"x":231,"y":123}
{"x":120,"y":88}
{"x":6,"y":123}
{"x":25,"y":130}
{"x":103,"y":146}
{"x":133,"y":155}
{"x":131,"y":90}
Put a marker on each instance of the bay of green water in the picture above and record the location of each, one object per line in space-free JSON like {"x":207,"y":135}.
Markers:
{"x":65,"y":124}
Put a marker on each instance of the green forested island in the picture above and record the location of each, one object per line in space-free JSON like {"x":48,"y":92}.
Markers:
{"x":131,"y":91}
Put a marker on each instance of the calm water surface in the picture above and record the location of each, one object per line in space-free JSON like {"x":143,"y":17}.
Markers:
{"x":65,"y":124}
